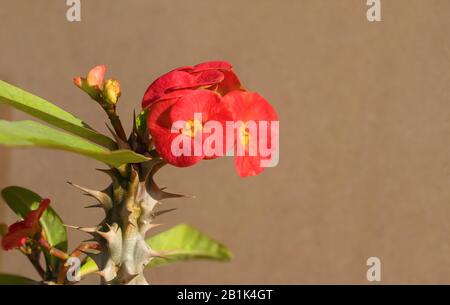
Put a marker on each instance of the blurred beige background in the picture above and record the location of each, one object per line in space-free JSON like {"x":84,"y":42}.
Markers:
{"x":365,"y":124}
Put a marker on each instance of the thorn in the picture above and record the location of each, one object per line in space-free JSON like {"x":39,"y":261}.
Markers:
{"x":156,"y":168}
{"x":161,"y":195}
{"x":105,"y":235}
{"x":102,"y":265}
{"x":150,"y":168}
{"x":111,"y":233}
{"x":147,"y":227}
{"x":107,"y":171}
{"x":101,"y":197}
{"x":120,"y":142}
{"x":111,"y":131}
{"x":89,"y":229}
{"x":93,"y":206}
{"x":70,"y":226}
{"x":83,"y":229}
{"x":154,"y":253}
{"x":155,"y":225}
{"x":110,"y":172}
{"x":159,"y":213}
{"x":157,"y":192}
{"x":134,"y":122}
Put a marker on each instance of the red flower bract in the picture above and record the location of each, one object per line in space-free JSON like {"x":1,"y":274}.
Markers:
{"x":251,"y":109}
{"x":214,"y":75}
{"x":177,"y":124}
{"x":214,"y":91}
{"x":19,"y":232}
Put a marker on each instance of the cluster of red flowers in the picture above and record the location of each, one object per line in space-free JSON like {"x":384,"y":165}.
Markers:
{"x":213,"y":90}
{"x":19,"y":232}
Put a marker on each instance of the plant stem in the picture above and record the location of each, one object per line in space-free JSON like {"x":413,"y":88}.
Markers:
{"x":34,"y":259}
{"x":116,"y":123}
{"x":53,"y":251}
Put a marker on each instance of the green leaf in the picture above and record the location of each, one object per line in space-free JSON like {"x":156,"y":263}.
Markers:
{"x":141,"y":121}
{"x":10,"y":279}
{"x":22,"y":201}
{"x":183,"y":243}
{"x":88,"y":267}
{"x":33,"y":134}
{"x":180,"y":243}
{"x":50,"y":113}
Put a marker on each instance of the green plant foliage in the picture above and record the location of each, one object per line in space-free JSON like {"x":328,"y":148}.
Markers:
{"x":33,"y":134}
{"x":10,"y":279}
{"x":183,"y":243}
{"x":50,"y":113}
{"x":22,"y":201}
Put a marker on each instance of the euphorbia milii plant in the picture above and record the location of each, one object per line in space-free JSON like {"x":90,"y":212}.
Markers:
{"x":188,"y":115}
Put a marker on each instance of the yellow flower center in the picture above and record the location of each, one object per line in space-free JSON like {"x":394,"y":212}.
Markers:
{"x":244,"y":135}
{"x":191,"y":128}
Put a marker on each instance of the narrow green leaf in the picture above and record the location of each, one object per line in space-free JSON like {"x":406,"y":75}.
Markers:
{"x":50,"y":113}
{"x":33,"y":134}
{"x":22,"y":201}
{"x":183,"y":243}
{"x":88,"y":267}
{"x":10,"y":279}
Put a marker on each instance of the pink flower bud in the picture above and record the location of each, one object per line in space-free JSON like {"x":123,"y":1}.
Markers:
{"x":96,"y":76}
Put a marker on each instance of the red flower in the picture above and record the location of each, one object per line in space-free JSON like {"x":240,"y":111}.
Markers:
{"x":215,"y":75}
{"x":19,"y":232}
{"x":180,"y":126}
{"x":213,"y":90}
{"x":259,"y":123}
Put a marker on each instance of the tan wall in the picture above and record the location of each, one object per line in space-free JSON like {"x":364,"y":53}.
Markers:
{"x":365,"y":125}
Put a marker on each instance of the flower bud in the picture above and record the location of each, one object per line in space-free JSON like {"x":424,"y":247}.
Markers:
{"x":96,"y":76}
{"x":93,"y":84}
{"x":112,"y":91}
{"x":78,"y":81}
